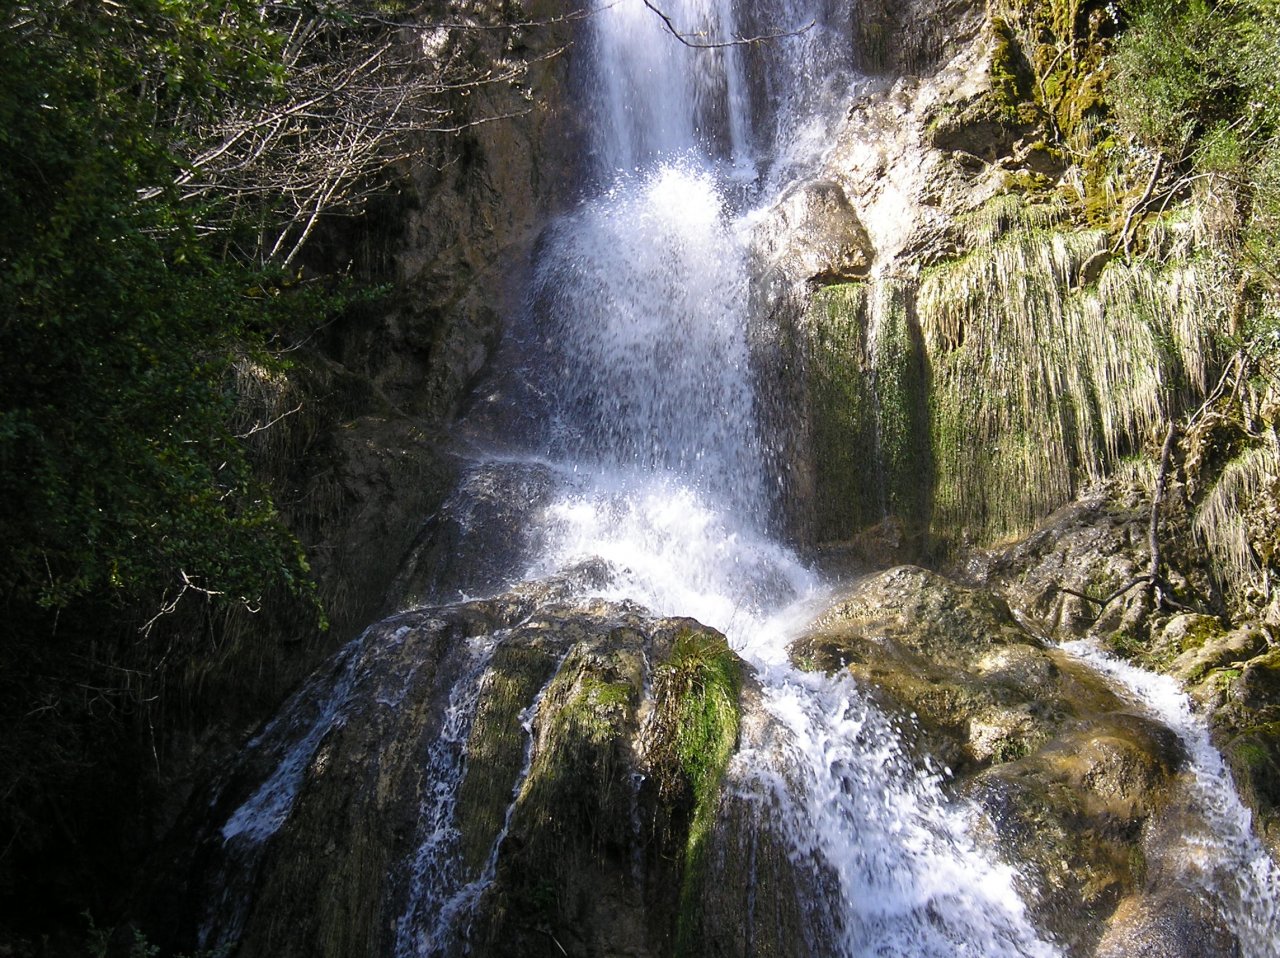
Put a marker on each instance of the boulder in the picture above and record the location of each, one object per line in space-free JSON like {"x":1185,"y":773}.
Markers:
{"x":533,"y":774}
{"x":814,"y":235}
{"x":1068,"y":778}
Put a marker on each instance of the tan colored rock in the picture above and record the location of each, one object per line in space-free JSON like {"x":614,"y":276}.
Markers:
{"x":1216,"y":650}
{"x":1067,"y":775}
{"x":813,"y":235}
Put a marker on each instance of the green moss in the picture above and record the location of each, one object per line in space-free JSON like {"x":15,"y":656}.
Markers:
{"x":900,"y":407}
{"x":868,"y":411}
{"x":575,"y":806}
{"x":1251,"y":753}
{"x":1025,"y":181}
{"x":1222,"y":678}
{"x":1126,"y":644}
{"x":1038,"y":385}
{"x":695,"y":733}
{"x":1011,"y":79}
{"x":1064,"y":43}
{"x":495,"y":749}
{"x":842,"y":419}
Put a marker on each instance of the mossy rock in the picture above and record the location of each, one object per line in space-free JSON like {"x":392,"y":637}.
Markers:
{"x":1254,"y":759}
{"x":591,"y":755}
{"x":1209,"y":648}
{"x":925,"y":612}
{"x":980,"y":126}
{"x":1073,"y":815}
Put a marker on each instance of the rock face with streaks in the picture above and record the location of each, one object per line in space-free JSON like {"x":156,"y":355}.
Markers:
{"x":523,"y":775}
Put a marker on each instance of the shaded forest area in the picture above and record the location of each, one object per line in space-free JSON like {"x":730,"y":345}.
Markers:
{"x":182,"y":184}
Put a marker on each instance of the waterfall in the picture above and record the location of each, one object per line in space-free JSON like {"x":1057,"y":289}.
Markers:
{"x":639,"y":307}
{"x":636,"y":452}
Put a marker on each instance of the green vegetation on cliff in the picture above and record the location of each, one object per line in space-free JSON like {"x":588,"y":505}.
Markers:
{"x":1110,"y":267}
{"x":694,"y":731}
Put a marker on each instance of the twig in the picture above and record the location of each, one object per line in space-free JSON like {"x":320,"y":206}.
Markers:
{"x":1159,"y":587}
{"x":1103,"y":603}
{"x":715,"y":45}
{"x":1133,"y":210}
{"x":262,"y":426}
{"x":1157,"y":498}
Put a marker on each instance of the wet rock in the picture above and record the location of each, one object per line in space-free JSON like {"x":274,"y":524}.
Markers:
{"x":1072,"y":816}
{"x":954,"y":656}
{"x":1256,"y":690}
{"x":769,"y":916}
{"x":1163,"y":924}
{"x":1254,"y":759}
{"x":1232,"y":674}
{"x":1068,"y":777}
{"x":369,"y":486}
{"x":481,"y":537}
{"x":523,"y":775}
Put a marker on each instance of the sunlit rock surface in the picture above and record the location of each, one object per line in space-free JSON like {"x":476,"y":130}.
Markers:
{"x":1080,"y":790}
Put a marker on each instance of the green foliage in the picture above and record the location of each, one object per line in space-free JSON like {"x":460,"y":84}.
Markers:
{"x":126,"y":485}
{"x":102,"y":942}
{"x":1196,"y":82}
{"x":117,"y":459}
{"x":1173,"y":75}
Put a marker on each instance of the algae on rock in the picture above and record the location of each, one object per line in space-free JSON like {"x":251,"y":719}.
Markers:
{"x":1071,"y":780}
{"x":867,"y":422}
{"x":553,"y":769}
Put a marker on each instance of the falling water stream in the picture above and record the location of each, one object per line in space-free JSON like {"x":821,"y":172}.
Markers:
{"x":636,"y":330}
{"x":640,"y":302}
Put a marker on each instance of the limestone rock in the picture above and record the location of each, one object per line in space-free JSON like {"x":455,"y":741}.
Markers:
{"x":1215,"y":650}
{"x":528,"y":751}
{"x":814,"y":235}
{"x":1067,"y":775}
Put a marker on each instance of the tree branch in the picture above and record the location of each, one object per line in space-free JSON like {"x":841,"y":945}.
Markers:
{"x":716,"y":45}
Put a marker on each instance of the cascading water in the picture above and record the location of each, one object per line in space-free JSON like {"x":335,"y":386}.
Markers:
{"x":645,"y":455}
{"x":1220,"y":857}
{"x":640,"y":310}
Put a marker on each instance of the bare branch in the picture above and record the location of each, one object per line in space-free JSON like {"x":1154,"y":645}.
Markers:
{"x":260,"y":427}
{"x":693,"y":39}
{"x":361,"y":95}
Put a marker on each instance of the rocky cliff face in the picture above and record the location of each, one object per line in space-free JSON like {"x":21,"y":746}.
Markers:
{"x":364,"y":459}
{"x":974,"y":358}
{"x":983,"y":347}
